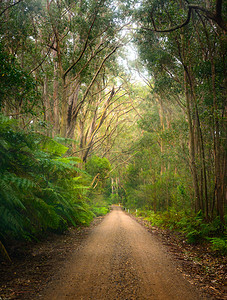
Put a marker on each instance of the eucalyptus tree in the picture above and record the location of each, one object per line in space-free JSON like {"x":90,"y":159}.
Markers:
{"x":189,"y":55}
{"x":85,"y":36}
{"x":17,"y":36}
{"x":99,"y":121}
{"x":156,"y":173}
{"x":65,"y":46}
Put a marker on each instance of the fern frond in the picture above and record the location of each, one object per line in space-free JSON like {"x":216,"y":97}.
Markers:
{"x":21,"y":183}
{"x":52,"y":147}
{"x":12,"y":222}
{"x":8,"y":195}
{"x":42,"y":215}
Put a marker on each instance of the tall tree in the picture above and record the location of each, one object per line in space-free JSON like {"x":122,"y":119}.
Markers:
{"x":169,"y":54}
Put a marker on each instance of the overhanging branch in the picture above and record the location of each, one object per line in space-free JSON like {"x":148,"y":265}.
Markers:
{"x":214,"y":16}
{"x":4,"y":10}
{"x":173,"y":28}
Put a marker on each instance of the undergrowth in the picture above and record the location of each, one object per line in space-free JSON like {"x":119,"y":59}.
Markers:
{"x":195,"y":229}
{"x":40,"y":189}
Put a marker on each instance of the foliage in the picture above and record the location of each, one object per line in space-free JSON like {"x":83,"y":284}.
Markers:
{"x":196,"y":230}
{"x":98,"y":168}
{"x":219,"y":245}
{"x":97,"y":165}
{"x":193,"y":227}
{"x":114,"y":198}
{"x":100,"y":210}
{"x":15,"y":84}
{"x":60,"y":78}
{"x":40,"y":189}
{"x":187,"y":69}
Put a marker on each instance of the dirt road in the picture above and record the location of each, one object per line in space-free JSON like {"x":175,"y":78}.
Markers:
{"x":121,"y":260}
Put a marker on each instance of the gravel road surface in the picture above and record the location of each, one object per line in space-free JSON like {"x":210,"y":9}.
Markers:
{"x":120,"y":260}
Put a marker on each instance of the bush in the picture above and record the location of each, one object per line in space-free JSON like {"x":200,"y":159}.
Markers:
{"x":219,"y":245}
{"x":113,"y":199}
{"x":100,"y":211}
{"x":194,"y":237}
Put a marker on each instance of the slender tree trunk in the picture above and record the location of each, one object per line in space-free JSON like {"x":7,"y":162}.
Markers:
{"x":155,"y":196}
{"x":72,"y":103}
{"x":203,"y":181}
{"x":64,"y":109}
{"x":192,"y":146}
{"x":161,"y":117}
{"x":217,"y":150}
{"x":46,"y":101}
{"x":55,"y":96}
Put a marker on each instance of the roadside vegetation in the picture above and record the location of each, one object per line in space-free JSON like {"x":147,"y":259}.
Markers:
{"x":40,"y":189}
{"x":192,"y":227}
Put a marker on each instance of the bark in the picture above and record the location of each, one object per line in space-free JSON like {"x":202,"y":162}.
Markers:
{"x":192,"y":145}
{"x":55,"y":96}
{"x":203,"y":181}
{"x":64,"y":109}
{"x":161,"y":117}
{"x":93,"y":81}
{"x":217,"y":150}
{"x":98,"y":126}
{"x":72,"y":104}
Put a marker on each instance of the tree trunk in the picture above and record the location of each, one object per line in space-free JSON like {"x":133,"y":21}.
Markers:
{"x":64,"y":109}
{"x":192,"y":145}
{"x":203,"y":181}
{"x":217,"y":151}
{"x":72,"y":103}
{"x":55,"y":97}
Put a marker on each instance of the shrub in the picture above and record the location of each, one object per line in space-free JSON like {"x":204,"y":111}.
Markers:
{"x":192,"y":225}
{"x":194,"y":237}
{"x":219,"y":245}
{"x":100,"y":211}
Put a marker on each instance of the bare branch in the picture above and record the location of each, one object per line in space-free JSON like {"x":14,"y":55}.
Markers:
{"x":10,"y":6}
{"x":173,"y":28}
{"x":93,"y":80}
{"x":42,"y":61}
{"x":125,"y":161}
{"x":83,"y":50}
{"x":216,"y":17}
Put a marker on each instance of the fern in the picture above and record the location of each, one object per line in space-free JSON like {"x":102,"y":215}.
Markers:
{"x":219,"y":245}
{"x":12,"y":224}
{"x":8,"y":194}
{"x":42,"y":215}
{"x":40,"y":190}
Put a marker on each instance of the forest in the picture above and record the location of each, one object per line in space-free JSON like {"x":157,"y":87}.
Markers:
{"x":107,"y":102}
